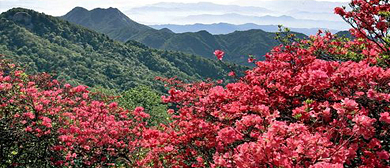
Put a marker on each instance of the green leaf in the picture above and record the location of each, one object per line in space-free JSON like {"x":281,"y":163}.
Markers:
{"x":297,"y":116}
{"x":14,"y":152}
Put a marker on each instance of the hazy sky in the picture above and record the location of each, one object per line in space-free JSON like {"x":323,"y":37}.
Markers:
{"x":60,"y":7}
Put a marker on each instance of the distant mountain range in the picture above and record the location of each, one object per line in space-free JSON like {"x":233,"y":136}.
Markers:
{"x":310,"y":6}
{"x":226,"y":28}
{"x":200,"y":7}
{"x":42,"y":43}
{"x":237,"y":45}
{"x":173,"y":12}
{"x":284,"y":20}
{"x":290,"y":13}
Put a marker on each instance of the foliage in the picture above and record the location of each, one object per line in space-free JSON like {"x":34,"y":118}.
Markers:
{"x":309,"y":104}
{"x":370,"y":21}
{"x":44,"y":123}
{"x":140,"y":96}
{"x":80,"y":56}
{"x":236,"y":45}
{"x":111,"y":21}
{"x":291,"y":110}
{"x":318,"y":102}
{"x":368,"y":38}
{"x":143,"y":96}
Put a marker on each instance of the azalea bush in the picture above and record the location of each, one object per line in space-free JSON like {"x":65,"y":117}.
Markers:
{"x":44,"y":123}
{"x":317,"y":102}
{"x":370,"y":20}
{"x":291,"y":110}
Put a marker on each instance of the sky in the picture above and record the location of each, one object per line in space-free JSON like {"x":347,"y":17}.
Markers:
{"x":60,"y":7}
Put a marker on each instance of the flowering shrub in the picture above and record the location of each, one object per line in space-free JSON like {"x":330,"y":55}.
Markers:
{"x":45,"y":123}
{"x":370,"y":24}
{"x":318,"y":102}
{"x":306,"y":105}
{"x":369,"y":19}
{"x":290,"y":110}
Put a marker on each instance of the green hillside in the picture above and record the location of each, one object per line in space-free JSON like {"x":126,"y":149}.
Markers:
{"x":77,"y":55}
{"x":110,"y":21}
{"x":345,"y":34}
{"x":237,"y":45}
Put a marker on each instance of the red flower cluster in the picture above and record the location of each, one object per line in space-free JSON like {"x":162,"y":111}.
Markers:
{"x":305,"y":106}
{"x":45,"y":116}
{"x":290,"y":110}
{"x":370,"y":19}
{"x":320,"y":102}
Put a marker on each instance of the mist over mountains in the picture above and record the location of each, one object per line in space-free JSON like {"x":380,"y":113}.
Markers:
{"x":207,"y":7}
{"x":294,"y":14}
{"x":285,"y":20}
{"x":311,"y":6}
{"x":226,"y":28}
{"x":291,"y":13}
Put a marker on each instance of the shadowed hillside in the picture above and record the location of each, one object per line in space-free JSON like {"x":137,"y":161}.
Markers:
{"x":237,"y":45}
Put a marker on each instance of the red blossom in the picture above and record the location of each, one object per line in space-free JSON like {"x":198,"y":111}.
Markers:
{"x":385,"y":117}
{"x":292,"y":105}
{"x":339,"y":11}
{"x":219,"y":54}
{"x":66,"y":121}
{"x":298,"y":108}
{"x":232,"y":73}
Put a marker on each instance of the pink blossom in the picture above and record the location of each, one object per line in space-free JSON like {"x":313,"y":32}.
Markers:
{"x":385,"y":117}
{"x":219,"y":54}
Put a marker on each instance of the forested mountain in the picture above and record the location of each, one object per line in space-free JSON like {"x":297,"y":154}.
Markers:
{"x":109,"y":21}
{"x":78,"y":55}
{"x":237,"y":45}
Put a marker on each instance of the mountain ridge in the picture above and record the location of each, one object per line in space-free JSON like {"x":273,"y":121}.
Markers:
{"x":288,"y":21}
{"x":257,"y":42}
{"x":96,"y":19}
{"x":82,"y":56}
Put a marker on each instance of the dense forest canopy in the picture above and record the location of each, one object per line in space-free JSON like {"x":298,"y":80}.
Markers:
{"x":115,"y":24}
{"x":43,"y":43}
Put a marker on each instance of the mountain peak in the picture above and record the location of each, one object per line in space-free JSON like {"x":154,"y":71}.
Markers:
{"x":110,"y":9}
{"x":78,"y":8}
{"x":166,"y":30}
{"x":104,"y":19}
{"x":77,"y":11}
